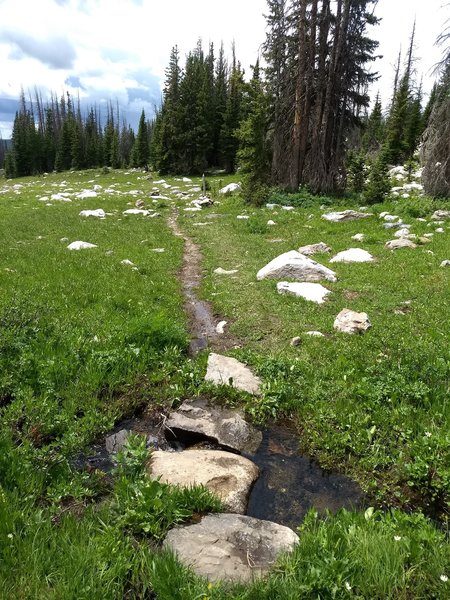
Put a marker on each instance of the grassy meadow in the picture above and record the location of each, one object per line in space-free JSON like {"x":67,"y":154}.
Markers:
{"x":86,"y":341}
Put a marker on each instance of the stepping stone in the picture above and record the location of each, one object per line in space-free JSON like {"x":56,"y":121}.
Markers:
{"x":227,"y":475}
{"x":314,"y":292}
{"x":400,"y":243}
{"x":349,"y":321}
{"x":233,"y":548}
{"x":79,"y":245}
{"x":220,"y":271}
{"x":231,"y":187}
{"x":293,"y":265}
{"x":99,"y":213}
{"x":353,"y":255}
{"x":224,"y":370}
{"x":314,"y":248}
{"x":222,"y":425}
{"x":345,"y":215}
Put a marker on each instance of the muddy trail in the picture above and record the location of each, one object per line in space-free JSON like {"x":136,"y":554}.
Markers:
{"x":202,"y":322}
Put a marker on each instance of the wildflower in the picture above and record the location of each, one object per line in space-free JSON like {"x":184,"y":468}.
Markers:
{"x":10,"y":535}
{"x":397,"y":538}
{"x":428,"y":433}
{"x":443,"y":578}
{"x":348,"y":587}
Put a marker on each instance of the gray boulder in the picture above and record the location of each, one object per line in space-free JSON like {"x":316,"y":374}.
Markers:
{"x":232,"y":548}
{"x":293,"y":265}
{"x":400,"y":243}
{"x":345,"y":215}
{"x":314,"y":248}
{"x":224,"y":426}
{"x":228,"y":476}
{"x":440,"y":214}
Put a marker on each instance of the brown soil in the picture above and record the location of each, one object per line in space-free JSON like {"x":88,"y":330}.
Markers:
{"x":202,"y":321}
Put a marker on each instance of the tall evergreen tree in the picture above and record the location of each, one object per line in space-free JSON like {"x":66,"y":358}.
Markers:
{"x":140,"y":155}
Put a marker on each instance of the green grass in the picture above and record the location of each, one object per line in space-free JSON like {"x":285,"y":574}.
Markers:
{"x":85,"y":341}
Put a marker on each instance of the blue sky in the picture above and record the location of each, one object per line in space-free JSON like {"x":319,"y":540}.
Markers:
{"x":118,"y":49}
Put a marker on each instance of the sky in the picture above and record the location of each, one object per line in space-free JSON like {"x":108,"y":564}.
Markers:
{"x":118,"y":50}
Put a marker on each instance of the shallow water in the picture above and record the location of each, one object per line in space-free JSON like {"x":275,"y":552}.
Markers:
{"x":290,"y":484}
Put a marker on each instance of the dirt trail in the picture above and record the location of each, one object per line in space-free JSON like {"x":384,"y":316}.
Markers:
{"x":202,"y":322}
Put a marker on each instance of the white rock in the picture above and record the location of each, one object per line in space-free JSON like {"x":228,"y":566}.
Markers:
{"x":224,"y":370}
{"x":271,"y":206}
{"x":98,"y":213}
{"x":445,"y":263}
{"x":231,"y":187}
{"x":293,"y":265}
{"x":390,"y":218}
{"x":358,"y":237}
{"x":60,"y":198}
{"x":270,"y":222}
{"x":349,"y":321}
{"x":158,"y":250}
{"x":192,"y":209}
{"x":314,"y":292}
{"x":220,"y":271}
{"x":127,"y":263}
{"x":345,"y":215}
{"x":86,"y":194}
{"x":400,"y":243}
{"x":441,"y":214}
{"x":404,"y":232}
{"x":220,"y":327}
{"x":79,"y":245}
{"x":186,"y":180}
{"x":314,"y":248}
{"x":439,"y":230}
{"x":288,"y":208}
{"x":352,"y":255}
{"x":243,"y":217}
{"x":136,"y":211}
{"x":314,"y":333}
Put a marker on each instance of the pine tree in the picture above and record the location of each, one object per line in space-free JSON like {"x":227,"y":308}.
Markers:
{"x":141,"y":152}
{"x":374,"y":129}
{"x":229,"y":143}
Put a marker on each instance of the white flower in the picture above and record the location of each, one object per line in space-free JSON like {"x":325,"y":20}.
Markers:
{"x":443,"y":578}
{"x":10,"y":535}
{"x":397,"y":538}
{"x":428,"y":433}
{"x":348,"y":587}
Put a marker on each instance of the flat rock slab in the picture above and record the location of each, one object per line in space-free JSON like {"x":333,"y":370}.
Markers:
{"x":314,"y":292}
{"x":227,"y":475}
{"x":349,"y":321}
{"x":220,"y":271}
{"x":115,"y":442}
{"x":352,"y":255}
{"x":314,"y":249}
{"x":224,"y":426}
{"x":293,"y":265}
{"x":345,"y":215}
{"x":98,"y":213}
{"x":232,"y":548}
{"x":224,"y":370}
{"x":400,"y":243}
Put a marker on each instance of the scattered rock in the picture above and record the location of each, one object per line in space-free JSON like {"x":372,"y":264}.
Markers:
{"x":314,"y":292}
{"x":349,"y":321}
{"x":139,"y":204}
{"x":127,"y":263}
{"x":403,"y":232}
{"x":115,"y":442}
{"x":60,"y":198}
{"x":220,"y":327}
{"x":314,"y":248}
{"x":439,"y":230}
{"x":79,"y":245}
{"x":99,"y":213}
{"x":288,"y":208}
{"x":358,"y":237}
{"x":293,"y":265}
{"x":224,"y":370}
{"x":315,"y":333}
{"x":202,"y":202}
{"x":87,"y":194}
{"x":445,"y":263}
{"x":270,"y":222}
{"x":243,"y":217}
{"x":345,"y":215}
{"x":220,"y":271}
{"x":233,"y":548}
{"x":158,"y":250}
{"x":221,"y":425}
{"x":441,"y":214}
{"x":136,"y":211}
{"x":353,"y":255}
{"x":231,"y":187}
{"x":400,"y":243}
{"x":296,"y":341}
{"x":227,"y":475}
